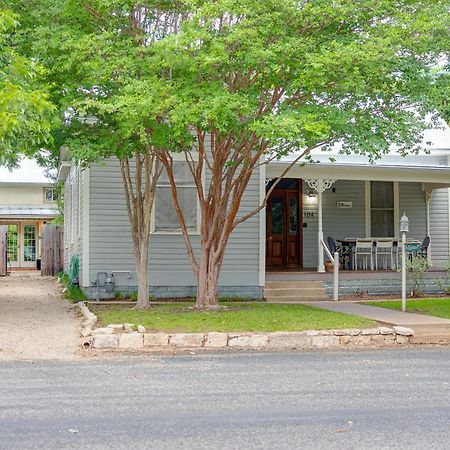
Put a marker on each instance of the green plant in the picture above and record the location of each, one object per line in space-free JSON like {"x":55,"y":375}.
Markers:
{"x":118,"y":295}
{"x":417,"y":266}
{"x":71,"y":292}
{"x":133,"y":296}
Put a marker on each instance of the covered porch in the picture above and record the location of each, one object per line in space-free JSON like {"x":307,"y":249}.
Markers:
{"x":349,"y":201}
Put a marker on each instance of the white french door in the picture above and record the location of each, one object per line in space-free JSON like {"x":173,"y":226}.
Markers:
{"x":28,"y":245}
{"x":22,"y":245}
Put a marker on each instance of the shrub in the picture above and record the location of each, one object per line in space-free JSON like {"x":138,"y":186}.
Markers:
{"x":417,"y":266}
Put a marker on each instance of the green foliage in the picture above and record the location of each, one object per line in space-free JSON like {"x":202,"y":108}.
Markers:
{"x":133,"y":296}
{"x":26,"y":113}
{"x":181,"y":317}
{"x":417,"y":266}
{"x":71,"y":292}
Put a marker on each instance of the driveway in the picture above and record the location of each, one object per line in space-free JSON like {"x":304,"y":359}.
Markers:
{"x":35,"y":322}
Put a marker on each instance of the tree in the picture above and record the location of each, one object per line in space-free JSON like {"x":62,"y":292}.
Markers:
{"x":26,"y":114}
{"x":96,"y":56}
{"x":263,"y":79}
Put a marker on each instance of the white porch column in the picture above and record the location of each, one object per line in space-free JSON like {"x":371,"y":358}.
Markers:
{"x":320,"y":186}
{"x":428,"y":227}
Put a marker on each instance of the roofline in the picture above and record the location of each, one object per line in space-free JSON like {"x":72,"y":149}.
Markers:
{"x":373,"y":172}
{"x":26,"y":183}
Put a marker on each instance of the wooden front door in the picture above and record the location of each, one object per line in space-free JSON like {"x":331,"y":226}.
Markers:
{"x":283,"y":225}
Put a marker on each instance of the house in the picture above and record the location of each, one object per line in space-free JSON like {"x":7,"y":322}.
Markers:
{"x":346,"y":198}
{"x":27,"y":202}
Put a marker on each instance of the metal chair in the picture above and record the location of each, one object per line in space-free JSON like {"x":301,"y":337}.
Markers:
{"x":384,"y":248}
{"x":344,"y":252}
{"x":423,"y":252}
{"x":363,"y":249}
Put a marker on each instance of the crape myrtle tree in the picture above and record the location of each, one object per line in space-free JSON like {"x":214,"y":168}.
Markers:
{"x":97,"y":56}
{"x":25,"y":110}
{"x":256,"y":80}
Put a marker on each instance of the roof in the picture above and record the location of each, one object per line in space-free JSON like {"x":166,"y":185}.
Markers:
{"x":27,"y":212}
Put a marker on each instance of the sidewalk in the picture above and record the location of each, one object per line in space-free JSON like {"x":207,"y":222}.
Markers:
{"x":418,"y":322}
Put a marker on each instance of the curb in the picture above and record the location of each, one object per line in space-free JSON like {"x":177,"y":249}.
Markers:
{"x":115,"y":337}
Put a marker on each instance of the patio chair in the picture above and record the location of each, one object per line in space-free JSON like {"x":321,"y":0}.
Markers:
{"x":363,"y":251}
{"x":423,"y":252}
{"x":344,"y":252}
{"x":384,"y":249}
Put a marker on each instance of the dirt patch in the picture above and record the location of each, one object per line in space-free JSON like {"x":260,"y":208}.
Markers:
{"x":36,"y":323}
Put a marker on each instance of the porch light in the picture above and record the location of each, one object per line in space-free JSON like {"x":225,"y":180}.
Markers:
{"x":404,"y":224}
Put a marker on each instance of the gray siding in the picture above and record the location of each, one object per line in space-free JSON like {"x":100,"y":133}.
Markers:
{"x":412,"y":203}
{"x":439,"y":219}
{"x":111,"y":246}
{"x":337,"y":222}
{"x":73,"y":217}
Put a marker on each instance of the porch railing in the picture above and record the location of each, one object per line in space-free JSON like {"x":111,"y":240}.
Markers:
{"x":335,"y":260}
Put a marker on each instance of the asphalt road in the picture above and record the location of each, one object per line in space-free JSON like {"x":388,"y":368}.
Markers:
{"x":379,"y":399}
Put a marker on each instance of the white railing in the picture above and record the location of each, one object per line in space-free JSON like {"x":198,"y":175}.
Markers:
{"x":335,"y":260}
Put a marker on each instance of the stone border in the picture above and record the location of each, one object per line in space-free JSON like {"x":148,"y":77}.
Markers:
{"x":120,"y":336}
{"x":88,"y":324}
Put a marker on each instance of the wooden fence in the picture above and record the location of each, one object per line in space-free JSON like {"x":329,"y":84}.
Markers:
{"x":52,"y":250}
{"x":3,"y":251}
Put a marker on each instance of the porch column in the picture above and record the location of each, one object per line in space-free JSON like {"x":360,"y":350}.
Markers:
{"x":428,"y":227}
{"x":320,"y":186}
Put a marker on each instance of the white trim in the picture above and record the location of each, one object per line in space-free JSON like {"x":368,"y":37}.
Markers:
{"x":396,"y":209}
{"x":367,"y":207}
{"x":262,"y":226}
{"x":179,"y":158}
{"x":85,"y":231}
{"x":368,"y":211}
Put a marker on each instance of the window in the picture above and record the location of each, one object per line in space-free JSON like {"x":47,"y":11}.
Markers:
{"x":382,"y":209}
{"x":50,"y":195}
{"x":165,"y":216}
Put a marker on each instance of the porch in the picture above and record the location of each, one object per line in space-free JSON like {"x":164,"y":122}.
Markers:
{"x":351,"y":201}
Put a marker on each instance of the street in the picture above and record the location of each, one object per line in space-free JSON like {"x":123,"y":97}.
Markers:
{"x":335,"y":400}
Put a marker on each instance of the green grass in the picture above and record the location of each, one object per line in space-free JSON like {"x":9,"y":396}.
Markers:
{"x":181,"y":317}
{"x":439,"y":307}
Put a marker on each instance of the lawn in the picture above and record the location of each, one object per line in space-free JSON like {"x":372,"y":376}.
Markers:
{"x":439,"y":307}
{"x":247,"y":316}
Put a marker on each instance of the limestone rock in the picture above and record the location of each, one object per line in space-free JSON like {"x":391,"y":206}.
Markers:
{"x":128,"y":327}
{"x":347,"y":332}
{"x":105,"y":341}
{"x":402,"y":339}
{"x":103,"y":331}
{"x":282,"y":339}
{"x":131,"y":340}
{"x":187,"y":340}
{"x":86,"y":332}
{"x":403,"y":331}
{"x":216,"y":340}
{"x":369,"y":331}
{"x":248,"y":341}
{"x":156,"y":339}
{"x":116,"y":326}
{"x":141,"y":329}
{"x":386,"y":330}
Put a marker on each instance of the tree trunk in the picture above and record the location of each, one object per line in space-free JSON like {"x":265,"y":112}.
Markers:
{"x":207,"y":281}
{"x":143,"y":300}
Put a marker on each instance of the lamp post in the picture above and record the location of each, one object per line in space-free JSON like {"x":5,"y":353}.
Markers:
{"x":404,"y":228}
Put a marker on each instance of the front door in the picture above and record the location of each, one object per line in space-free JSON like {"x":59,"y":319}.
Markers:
{"x":22,"y":244}
{"x":283,"y":225}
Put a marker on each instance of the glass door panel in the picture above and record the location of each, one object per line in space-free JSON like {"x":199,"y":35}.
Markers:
{"x":13,"y":244}
{"x":29,"y":245}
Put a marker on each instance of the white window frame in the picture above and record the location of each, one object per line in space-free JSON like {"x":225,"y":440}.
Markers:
{"x":368,"y":209}
{"x":53,"y":189}
{"x":179,"y":157}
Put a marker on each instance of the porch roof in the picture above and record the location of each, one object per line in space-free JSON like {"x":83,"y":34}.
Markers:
{"x":434,"y":176}
{"x":27,"y":212}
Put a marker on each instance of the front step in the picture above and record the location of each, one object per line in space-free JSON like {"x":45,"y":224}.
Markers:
{"x":294,"y":291}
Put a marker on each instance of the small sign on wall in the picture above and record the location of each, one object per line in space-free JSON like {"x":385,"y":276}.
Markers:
{"x":344,"y":204}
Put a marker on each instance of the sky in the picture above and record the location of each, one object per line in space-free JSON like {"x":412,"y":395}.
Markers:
{"x":30,"y":172}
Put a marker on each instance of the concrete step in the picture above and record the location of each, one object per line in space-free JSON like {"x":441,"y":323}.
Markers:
{"x":294,"y":292}
{"x":291,"y":284}
{"x":430,"y":329}
{"x":296,"y":299}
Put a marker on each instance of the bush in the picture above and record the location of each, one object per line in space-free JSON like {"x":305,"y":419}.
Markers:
{"x":71,"y":292}
{"x":417,"y":266}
